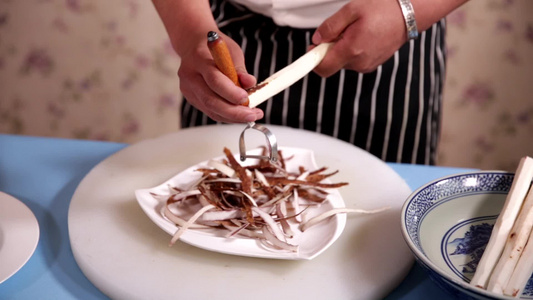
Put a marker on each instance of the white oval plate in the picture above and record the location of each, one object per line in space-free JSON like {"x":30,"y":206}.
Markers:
{"x":19,"y":235}
{"x":311,"y":243}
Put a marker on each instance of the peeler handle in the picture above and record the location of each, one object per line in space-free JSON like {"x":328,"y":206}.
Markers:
{"x":220,"y":53}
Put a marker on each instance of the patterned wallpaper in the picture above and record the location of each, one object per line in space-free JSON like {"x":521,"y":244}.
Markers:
{"x":488,"y":108}
{"x":104,"y":70}
{"x":86,"y":69}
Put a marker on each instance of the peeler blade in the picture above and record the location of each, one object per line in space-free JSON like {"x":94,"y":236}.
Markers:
{"x":271,"y":142}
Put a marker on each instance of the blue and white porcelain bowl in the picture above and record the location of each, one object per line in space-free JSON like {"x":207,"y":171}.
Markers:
{"x":447,"y":224}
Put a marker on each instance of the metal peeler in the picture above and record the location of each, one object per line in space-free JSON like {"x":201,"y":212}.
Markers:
{"x":272,"y":143}
{"x":220,"y":53}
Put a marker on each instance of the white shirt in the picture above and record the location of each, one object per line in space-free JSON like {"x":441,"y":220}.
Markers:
{"x":295,"y":13}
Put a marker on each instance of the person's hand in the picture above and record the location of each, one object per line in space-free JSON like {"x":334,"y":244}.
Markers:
{"x":366,"y":34}
{"x":210,"y":91}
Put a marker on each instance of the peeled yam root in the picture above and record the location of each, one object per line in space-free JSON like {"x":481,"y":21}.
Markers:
{"x":285,"y":77}
{"x":506,"y":254}
{"x":522,"y":271}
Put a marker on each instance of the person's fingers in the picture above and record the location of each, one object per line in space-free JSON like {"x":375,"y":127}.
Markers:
{"x":333,"y":27}
{"x":224,"y":87}
{"x":238,"y":118}
{"x":222,"y":111}
{"x":335,"y":59}
{"x":208,"y":89}
{"x":198,"y":94}
{"x":247,"y":80}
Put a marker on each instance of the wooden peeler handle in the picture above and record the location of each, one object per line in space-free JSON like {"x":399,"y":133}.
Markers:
{"x":219,"y":50}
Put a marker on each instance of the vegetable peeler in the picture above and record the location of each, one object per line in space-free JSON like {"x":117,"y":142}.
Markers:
{"x":265,"y":90}
{"x":220,"y":53}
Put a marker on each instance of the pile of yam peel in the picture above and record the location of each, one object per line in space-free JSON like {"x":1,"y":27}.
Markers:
{"x":261,"y":201}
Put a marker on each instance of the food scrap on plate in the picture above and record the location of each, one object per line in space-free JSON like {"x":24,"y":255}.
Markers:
{"x":263,"y":201}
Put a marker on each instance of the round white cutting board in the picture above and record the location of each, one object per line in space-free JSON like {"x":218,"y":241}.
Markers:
{"x":127,"y":256}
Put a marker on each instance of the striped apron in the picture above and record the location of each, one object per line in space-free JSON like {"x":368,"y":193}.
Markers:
{"x":393,"y":113}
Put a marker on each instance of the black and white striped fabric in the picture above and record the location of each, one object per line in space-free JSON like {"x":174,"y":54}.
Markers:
{"x":393,"y":112}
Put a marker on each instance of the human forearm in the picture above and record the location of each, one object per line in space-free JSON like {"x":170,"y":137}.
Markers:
{"x":201,"y":82}
{"x":187,"y":22}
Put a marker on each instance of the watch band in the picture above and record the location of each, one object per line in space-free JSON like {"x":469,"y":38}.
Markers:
{"x":409,"y":17}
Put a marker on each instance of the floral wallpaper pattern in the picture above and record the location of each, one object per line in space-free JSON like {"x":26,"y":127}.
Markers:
{"x":488,"y":102}
{"x":86,"y":69}
{"x":105,"y":70}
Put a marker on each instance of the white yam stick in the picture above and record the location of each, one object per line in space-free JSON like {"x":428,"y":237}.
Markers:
{"x":504,"y":223}
{"x":285,"y":77}
{"x":524,"y":264}
{"x":522,"y":273}
{"x":513,"y":247}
